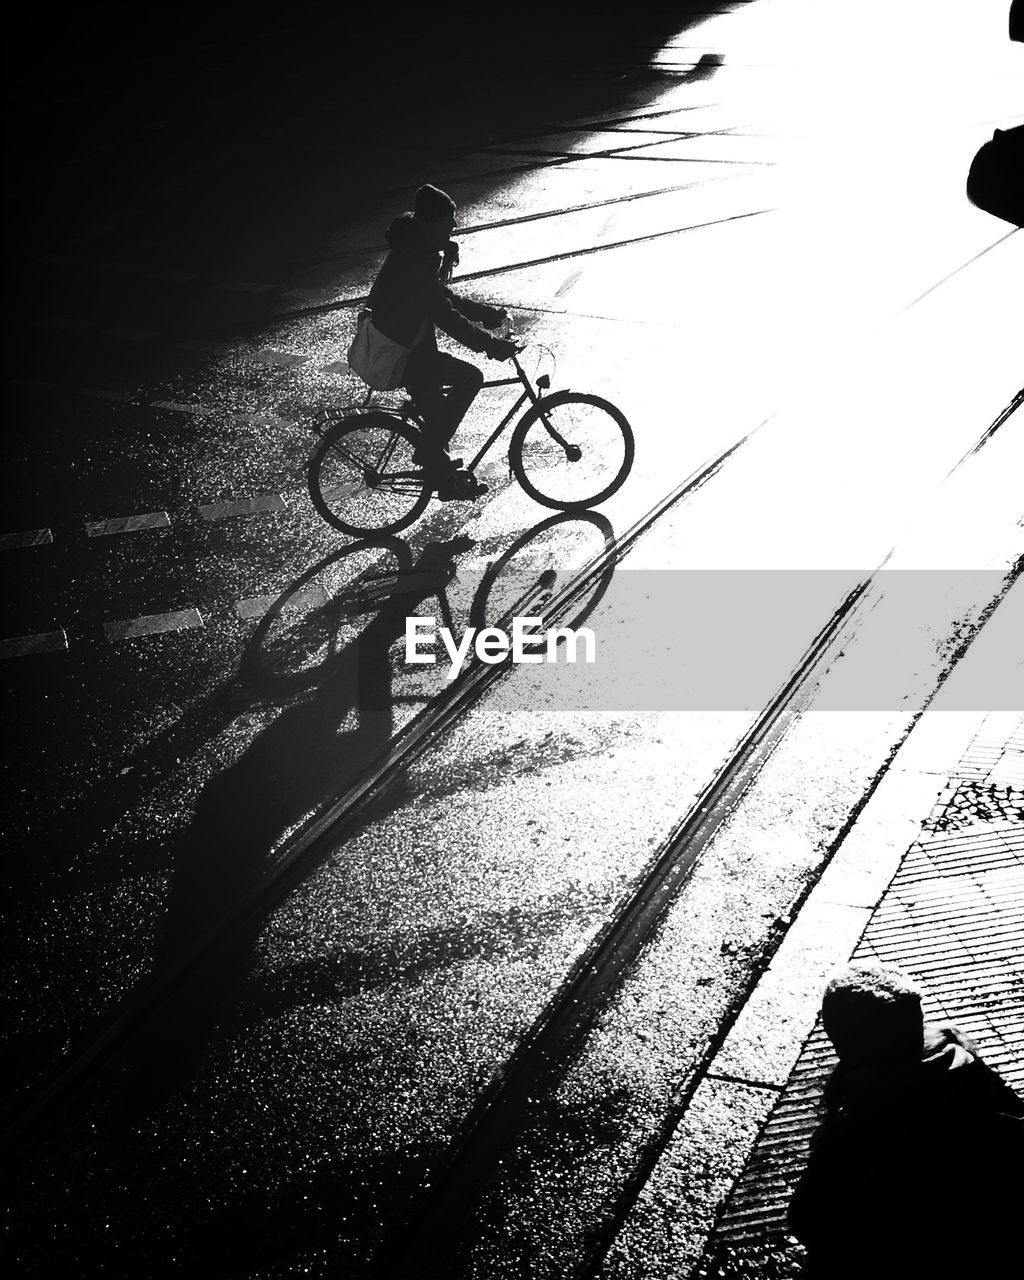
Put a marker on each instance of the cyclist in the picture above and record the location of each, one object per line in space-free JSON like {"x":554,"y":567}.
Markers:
{"x":409,"y":297}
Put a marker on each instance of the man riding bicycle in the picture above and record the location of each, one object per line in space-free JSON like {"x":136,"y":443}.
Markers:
{"x":409,"y":297}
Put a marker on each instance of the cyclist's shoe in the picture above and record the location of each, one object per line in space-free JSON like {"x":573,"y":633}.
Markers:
{"x":434,"y":460}
{"x":459,"y":486}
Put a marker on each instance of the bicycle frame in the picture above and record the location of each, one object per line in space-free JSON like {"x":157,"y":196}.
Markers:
{"x":528,"y":393}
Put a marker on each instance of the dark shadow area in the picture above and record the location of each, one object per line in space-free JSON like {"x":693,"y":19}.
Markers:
{"x":146,"y":154}
{"x":153,"y":160}
{"x":289,"y":769}
{"x":303,"y":758}
{"x":225,"y":149}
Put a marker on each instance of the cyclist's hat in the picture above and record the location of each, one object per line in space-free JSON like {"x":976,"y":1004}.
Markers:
{"x":431,"y":204}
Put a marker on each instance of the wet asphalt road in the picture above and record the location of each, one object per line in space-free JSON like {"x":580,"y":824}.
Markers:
{"x":288,"y":1108}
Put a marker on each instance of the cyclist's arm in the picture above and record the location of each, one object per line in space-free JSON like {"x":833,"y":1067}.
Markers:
{"x":478,"y":312}
{"x":454,"y":323}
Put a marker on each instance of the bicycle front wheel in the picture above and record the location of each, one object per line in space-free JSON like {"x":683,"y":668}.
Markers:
{"x":362,"y":478}
{"x":572,"y":451}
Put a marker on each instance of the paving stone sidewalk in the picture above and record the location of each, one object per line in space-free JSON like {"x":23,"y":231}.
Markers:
{"x":953,"y":918}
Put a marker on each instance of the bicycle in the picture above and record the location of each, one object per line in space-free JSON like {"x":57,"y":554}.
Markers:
{"x":569,"y":451}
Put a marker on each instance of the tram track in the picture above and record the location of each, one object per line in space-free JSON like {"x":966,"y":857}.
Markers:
{"x":438,"y":1226}
{"x":568,"y":255}
{"x":557,"y":1034}
{"x":501,"y":224}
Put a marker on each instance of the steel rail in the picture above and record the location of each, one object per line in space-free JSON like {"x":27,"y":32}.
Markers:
{"x":343,"y":304}
{"x":501,"y":224}
{"x":439,"y":1223}
{"x":652,"y":1150}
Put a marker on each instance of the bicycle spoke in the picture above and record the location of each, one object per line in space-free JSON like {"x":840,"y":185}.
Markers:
{"x":573,"y":451}
{"x":362,"y":478}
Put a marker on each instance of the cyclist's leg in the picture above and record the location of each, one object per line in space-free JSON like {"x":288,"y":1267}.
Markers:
{"x":427,"y":374}
{"x":423,"y":383}
{"x":464,"y":380}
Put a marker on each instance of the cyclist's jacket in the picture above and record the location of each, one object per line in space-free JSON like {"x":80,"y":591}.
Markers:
{"x":408,"y":297}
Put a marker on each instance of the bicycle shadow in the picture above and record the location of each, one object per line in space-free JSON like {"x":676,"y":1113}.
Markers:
{"x":307,"y":754}
{"x":108,"y":854}
{"x":240,"y":817}
{"x":337,"y":685}
{"x":310,"y":752}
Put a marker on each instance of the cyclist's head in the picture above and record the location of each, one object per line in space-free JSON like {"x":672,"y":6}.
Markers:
{"x":434,"y":210}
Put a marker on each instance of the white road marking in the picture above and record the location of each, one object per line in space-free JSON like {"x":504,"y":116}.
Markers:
{"x":267,"y":502}
{"x":23,"y":646}
{"x":127,"y":524}
{"x":153,"y":623}
{"x":197,"y":410}
{"x":297,"y":602}
{"x":261,"y":419}
{"x":30,"y":538}
{"x":283,"y":358}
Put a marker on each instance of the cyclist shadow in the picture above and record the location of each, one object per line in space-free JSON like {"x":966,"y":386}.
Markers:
{"x":304,"y":756}
{"x":308,"y":754}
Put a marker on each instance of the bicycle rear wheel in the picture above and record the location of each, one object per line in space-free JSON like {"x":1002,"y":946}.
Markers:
{"x":572,"y":451}
{"x":362,"y":478}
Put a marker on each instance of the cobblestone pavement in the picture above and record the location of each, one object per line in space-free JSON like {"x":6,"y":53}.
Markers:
{"x":953,"y":917}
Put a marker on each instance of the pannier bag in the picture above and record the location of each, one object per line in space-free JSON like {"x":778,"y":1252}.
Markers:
{"x":378,"y":360}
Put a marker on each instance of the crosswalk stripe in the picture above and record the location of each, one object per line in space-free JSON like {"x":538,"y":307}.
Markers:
{"x":127,"y":524}
{"x":23,"y":646}
{"x":152,"y":624}
{"x":267,"y":502}
{"x":297,"y":602}
{"x":261,"y":419}
{"x":29,"y":538}
{"x":197,"y":410}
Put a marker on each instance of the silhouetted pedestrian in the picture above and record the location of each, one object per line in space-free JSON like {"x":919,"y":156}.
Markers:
{"x":917,"y":1167}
